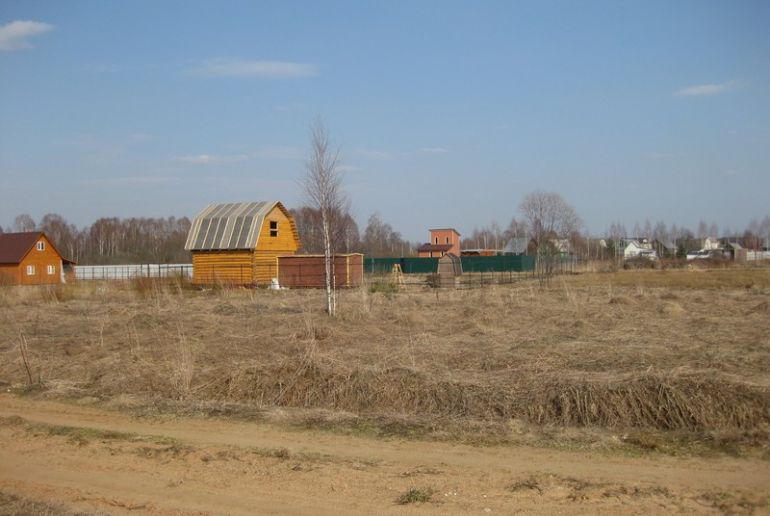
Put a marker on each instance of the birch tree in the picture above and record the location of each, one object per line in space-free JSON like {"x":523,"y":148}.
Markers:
{"x":322,"y":186}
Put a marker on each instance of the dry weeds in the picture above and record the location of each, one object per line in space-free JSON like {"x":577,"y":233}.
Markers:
{"x":672,"y":351}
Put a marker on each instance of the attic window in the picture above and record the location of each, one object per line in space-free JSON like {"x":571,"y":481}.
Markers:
{"x":273,"y":228}
{"x":41,"y":246}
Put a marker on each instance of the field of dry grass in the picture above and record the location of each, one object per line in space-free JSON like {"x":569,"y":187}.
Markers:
{"x":655,"y":360}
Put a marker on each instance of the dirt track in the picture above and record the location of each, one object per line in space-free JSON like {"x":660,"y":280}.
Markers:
{"x":224,"y":467}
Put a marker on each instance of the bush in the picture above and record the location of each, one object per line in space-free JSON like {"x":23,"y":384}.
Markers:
{"x":415,"y":496}
{"x":640,"y":263}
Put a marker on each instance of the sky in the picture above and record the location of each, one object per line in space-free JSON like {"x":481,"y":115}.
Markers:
{"x":446,"y":113}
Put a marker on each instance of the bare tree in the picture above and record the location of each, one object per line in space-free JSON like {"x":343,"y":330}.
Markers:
{"x":322,"y":186}
{"x":548,"y":214}
{"x":24,"y":223}
{"x":550,"y":218}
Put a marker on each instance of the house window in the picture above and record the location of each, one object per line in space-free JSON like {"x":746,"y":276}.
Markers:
{"x":437,"y":240}
{"x":273,"y":228}
{"x":447,"y":240}
{"x":41,"y":246}
{"x":51,"y":270}
{"x":30,"y":270}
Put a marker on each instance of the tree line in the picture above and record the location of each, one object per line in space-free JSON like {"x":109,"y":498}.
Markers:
{"x":112,"y":240}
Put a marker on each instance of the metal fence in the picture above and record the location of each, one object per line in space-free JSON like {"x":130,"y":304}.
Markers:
{"x":470,"y":264}
{"x":126,"y":272}
{"x":753,"y":256}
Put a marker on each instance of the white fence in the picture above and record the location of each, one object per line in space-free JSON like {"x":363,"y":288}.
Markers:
{"x":757,"y":255}
{"x":125,"y":272}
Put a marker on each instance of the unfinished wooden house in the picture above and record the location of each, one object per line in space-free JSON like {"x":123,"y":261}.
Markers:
{"x":239,"y":243}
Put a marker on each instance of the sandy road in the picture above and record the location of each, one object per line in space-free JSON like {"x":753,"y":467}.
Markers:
{"x":226,"y":467}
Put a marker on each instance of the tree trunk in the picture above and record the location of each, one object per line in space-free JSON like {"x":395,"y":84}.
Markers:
{"x":330,"y":304}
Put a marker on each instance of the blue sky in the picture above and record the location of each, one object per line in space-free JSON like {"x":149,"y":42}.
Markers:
{"x":446,"y":113}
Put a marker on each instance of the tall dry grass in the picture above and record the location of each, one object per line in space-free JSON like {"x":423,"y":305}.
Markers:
{"x":634,"y":349}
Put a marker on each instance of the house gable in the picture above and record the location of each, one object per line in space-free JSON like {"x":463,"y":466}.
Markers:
{"x":237,"y":226}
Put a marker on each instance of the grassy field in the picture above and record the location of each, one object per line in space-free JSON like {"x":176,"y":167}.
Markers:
{"x":675,"y":361}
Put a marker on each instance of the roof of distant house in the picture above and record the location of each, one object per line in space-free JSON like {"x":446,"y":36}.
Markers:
{"x":425,"y":248}
{"x":444,"y":229}
{"x":15,"y":246}
{"x":516,"y":245}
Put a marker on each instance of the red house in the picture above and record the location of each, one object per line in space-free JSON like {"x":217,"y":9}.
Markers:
{"x":442,"y":241}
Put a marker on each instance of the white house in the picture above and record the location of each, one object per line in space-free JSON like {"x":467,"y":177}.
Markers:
{"x":711,"y":244}
{"x":639,"y":248}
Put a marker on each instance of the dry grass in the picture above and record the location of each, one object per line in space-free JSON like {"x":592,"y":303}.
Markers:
{"x":669,"y":351}
{"x":13,"y":505}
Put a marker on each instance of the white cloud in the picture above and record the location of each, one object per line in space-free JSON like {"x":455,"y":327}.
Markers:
{"x":14,"y":35}
{"x":372,"y":153}
{"x":130,"y":181}
{"x":348,"y":168}
{"x":209,"y":159}
{"x":274,"y":152}
{"x":140,"y":137}
{"x":702,"y":90}
{"x":432,"y":150}
{"x":232,"y":67}
{"x":278,"y":152}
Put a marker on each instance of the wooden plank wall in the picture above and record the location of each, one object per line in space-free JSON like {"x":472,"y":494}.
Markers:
{"x":41,"y":260}
{"x":211,"y":267}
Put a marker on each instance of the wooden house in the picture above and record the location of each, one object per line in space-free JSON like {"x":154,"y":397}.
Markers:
{"x":31,"y":259}
{"x":239,"y":243}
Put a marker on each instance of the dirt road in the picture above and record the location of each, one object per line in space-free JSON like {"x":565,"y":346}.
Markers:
{"x":89,"y":459}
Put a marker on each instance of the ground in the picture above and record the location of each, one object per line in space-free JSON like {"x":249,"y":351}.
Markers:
{"x":637,"y":391}
{"x":92,"y":460}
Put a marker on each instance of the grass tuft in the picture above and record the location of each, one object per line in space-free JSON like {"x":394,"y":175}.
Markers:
{"x":415,"y":495}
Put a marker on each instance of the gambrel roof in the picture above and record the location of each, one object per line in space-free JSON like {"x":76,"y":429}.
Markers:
{"x":230,"y":226}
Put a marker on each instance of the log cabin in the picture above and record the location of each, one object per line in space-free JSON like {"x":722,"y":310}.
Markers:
{"x":31,"y":259}
{"x":239,"y":243}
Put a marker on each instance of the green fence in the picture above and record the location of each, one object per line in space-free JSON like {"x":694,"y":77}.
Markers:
{"x":470,"y":264}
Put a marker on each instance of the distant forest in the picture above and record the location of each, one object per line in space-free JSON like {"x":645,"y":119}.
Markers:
{"x":111,"y":240}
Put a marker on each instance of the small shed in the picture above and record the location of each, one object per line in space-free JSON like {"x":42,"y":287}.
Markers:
{"x":450,"y":268}
{"x":239,"y":243}
{"x":307,"y":271}
{"x":30,"y":258}
{"x":737,"y":253}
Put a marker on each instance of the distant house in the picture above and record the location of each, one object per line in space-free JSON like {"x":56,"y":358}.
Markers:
{"x":562,"y":246}
{"x":735,"y":252}
{"x":664,"y":248}
{"x":711,"y":244}
{"x":32,"y":259}
{"x":641,"y":248}
{"x":442,"y":241}
{"x":240,"y":243}
{"x":516,"y":246}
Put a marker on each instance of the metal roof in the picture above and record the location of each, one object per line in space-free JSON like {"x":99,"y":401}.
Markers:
{"x":15,"y":246}
{"x":516,"y":245}
{"x":424,"y":248}
{"x":229,"y":226}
